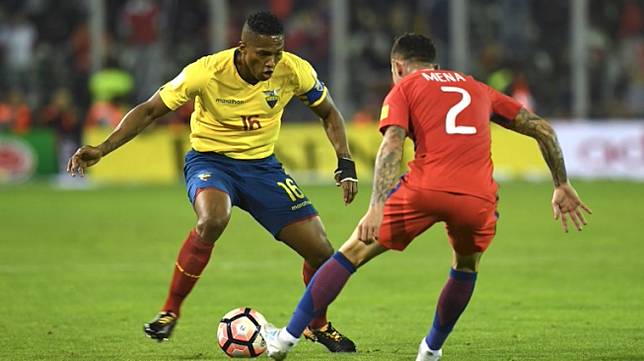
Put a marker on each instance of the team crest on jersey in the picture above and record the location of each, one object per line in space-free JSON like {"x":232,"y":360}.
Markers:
{"x":204,"y":176}
{"x":271,"y":97}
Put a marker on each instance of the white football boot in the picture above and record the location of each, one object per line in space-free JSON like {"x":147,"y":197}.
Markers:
{"x":277,"y":347}
{"x":425,"y":354}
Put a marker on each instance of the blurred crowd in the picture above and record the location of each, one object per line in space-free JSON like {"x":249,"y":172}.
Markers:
{"x":520,"y":47}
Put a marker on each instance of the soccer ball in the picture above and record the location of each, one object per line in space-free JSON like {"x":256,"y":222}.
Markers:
{"x":238,"y":333}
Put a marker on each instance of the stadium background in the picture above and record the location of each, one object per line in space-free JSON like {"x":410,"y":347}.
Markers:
{"x":84,"y":262}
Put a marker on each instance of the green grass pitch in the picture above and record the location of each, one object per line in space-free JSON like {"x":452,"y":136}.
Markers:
{"x":81,"y":271}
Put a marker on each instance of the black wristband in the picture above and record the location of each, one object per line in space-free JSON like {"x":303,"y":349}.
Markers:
{"x":346,"y":171}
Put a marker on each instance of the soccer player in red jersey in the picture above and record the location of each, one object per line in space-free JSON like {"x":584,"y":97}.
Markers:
{"x":447,"y":115}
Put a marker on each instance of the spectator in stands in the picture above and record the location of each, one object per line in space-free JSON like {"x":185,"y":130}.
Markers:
{"x":15,"y":114}
{"x":140,"y":24}
{"x":62,"y":116}
{"x":18,"y":39}
{"x":110,"y":88}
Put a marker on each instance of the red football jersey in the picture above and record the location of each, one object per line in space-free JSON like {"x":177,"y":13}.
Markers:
{"x":447,"y":115}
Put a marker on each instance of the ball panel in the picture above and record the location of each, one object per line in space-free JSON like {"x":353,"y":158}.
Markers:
{"x":242,"y":329}
{"x":222,"y":334}
{"x":261,"y":320}
{"x":235,"y":350}
{"x":232,"y":313}
{"x":259,"y":345}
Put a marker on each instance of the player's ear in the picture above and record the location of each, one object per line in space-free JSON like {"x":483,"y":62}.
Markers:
{"x":242,"y":46}
{"x":400,"y":68}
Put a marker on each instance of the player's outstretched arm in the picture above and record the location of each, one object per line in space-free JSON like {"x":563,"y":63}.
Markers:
{"x":387,"y":170}
{"x":132,"y":124}
{"x":565,"y":201}
{"x":345,"y":174}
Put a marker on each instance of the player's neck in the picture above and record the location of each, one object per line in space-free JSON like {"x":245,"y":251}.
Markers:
{"x":243,"y":70}
{"x":414,"y":67}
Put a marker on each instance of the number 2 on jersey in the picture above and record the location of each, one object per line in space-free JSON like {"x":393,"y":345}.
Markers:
{"x":450,"y":118}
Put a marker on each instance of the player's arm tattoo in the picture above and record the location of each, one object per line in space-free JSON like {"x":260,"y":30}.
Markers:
{"x":387,"y":164}
{"x":538,"y":128}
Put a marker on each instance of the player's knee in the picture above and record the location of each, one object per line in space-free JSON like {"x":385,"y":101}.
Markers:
{"x":468,"y":263}
{"x":324,"y":252}
{"x":210,"y":227}
{"x":466,"y":267}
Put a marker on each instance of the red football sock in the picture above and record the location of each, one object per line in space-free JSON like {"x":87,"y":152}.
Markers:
{"x":320,"y":321}
{"x":193,"y":258}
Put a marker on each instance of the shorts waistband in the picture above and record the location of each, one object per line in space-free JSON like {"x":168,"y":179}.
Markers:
{"x":225,"y":158}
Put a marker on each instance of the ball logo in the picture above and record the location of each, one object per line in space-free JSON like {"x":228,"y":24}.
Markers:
{"x":17,"y":160}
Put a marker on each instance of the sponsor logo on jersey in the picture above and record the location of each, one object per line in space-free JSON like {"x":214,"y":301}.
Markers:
{"x":229,"y":101}
{"x":301,"y":205}
{"x":271,"y":97}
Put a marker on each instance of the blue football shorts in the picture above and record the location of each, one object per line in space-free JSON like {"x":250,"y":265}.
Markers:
{"x":261,"y":187}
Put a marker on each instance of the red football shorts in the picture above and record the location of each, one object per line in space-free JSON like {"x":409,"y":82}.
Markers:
{"x":470,"y":221}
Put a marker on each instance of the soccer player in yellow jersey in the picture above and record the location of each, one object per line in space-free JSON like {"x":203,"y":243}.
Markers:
{"x":239,"y":96}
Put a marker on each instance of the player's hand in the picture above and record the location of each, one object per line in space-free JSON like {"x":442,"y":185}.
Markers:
{"x":345,"y":177}
{"x":85,"y":156}
{"x":369,"y":226}
{"x":566,"y":204}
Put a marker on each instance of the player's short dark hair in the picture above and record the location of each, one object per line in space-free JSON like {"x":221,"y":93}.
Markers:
{"x":414,"y":47}
{"x":265,"y":23}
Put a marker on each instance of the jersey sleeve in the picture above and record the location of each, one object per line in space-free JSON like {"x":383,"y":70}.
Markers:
{"x":185,"y":86}
{"x":395,"y":110}
{"x":309,"y":88}
{"x":502,"y":105}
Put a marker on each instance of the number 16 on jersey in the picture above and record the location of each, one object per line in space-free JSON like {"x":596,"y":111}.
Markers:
{"x":291,"y":189}
{"x":251,"y":122}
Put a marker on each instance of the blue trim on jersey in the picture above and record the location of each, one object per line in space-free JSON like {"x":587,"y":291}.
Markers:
{"x":397,"y":186}
{"x":315,"y":93}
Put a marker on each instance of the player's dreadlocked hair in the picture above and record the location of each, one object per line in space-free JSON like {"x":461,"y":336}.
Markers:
{"x":414,"y":47}
{"x":265,"y":23}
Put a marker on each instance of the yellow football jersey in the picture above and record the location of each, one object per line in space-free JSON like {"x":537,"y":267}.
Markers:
{"x":233,"y":117}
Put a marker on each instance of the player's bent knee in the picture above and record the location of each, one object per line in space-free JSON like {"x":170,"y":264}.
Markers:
{"x":467,"y":263}
{"x":210,"y":227}
{"x":323,"y":253}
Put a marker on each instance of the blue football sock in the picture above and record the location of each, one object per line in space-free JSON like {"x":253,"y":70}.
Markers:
{"x":325,"y":285}
{"x":451,"y":304}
